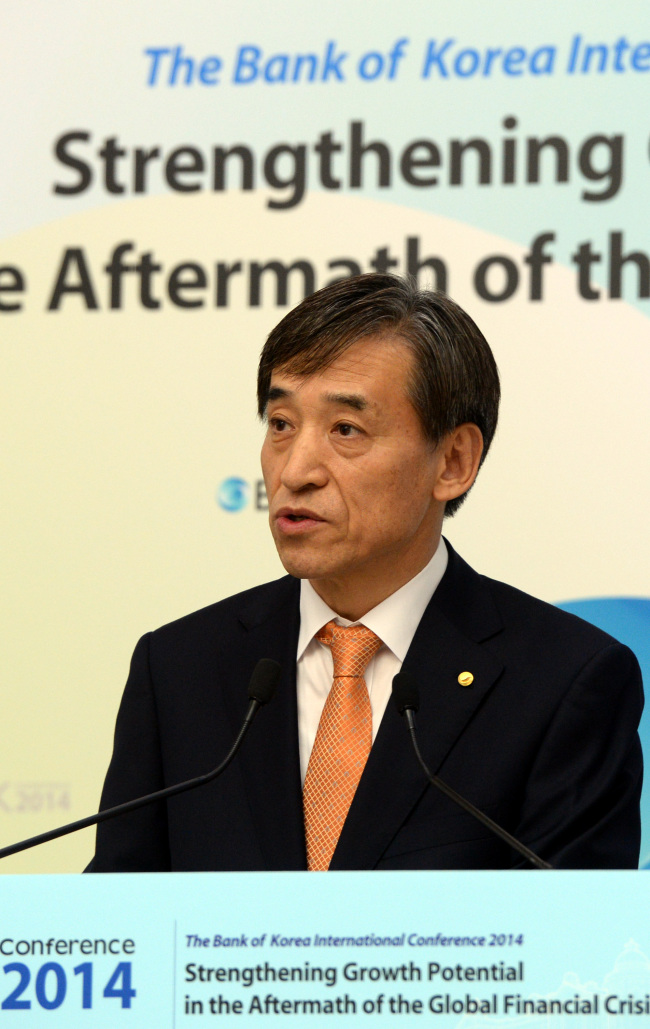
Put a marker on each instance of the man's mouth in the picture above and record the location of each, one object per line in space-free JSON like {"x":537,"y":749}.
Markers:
{"x":289,"y":521}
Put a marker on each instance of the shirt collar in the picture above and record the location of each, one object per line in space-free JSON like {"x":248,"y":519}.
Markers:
{"x":394,"y":620}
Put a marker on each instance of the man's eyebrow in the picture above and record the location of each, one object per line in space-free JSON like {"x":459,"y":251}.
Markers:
{"x":277,"y":393}
{"x":354,"y":400}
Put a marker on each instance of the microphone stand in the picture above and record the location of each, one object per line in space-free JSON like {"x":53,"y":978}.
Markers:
{"x":405,"y":695}
{"x":261,"y":688}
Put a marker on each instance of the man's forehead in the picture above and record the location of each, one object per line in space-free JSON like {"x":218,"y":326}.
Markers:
{"x":362,"y":360}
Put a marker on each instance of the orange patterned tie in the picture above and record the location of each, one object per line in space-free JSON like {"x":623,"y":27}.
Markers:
{"x":342,"y":743}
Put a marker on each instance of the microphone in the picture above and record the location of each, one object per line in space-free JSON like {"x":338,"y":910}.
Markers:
{"x":260,"y":690}
{"x":263,"y":681}
{"x":406,"y":698}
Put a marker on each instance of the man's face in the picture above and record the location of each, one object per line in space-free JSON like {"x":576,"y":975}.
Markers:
{"x":348,"y":472}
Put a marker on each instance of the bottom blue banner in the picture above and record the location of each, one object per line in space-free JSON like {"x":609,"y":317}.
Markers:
{"x":388,"y":949}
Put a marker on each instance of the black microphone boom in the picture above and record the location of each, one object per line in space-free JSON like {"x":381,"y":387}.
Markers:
{"x":260,"y":690}
{"x":406,"y":698}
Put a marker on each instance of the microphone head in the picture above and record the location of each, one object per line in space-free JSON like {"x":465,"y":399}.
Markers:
{"x":405,"y":693}
{"x":264,"y":680}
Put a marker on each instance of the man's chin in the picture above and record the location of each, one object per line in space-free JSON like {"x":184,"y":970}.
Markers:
{"x":303,"y":570}
{"x":303,"y":565}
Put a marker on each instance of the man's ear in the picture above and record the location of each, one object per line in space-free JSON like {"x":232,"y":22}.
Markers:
{"x":460,"y":456}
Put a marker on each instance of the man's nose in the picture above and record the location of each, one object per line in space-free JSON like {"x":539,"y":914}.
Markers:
{"x":304,"y":467}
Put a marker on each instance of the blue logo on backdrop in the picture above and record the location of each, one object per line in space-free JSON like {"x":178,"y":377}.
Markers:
{"x":628,"y":619}
{"x":233,"y":494}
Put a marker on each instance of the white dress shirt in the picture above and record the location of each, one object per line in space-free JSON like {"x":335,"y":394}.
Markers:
{"x":394,"y":621}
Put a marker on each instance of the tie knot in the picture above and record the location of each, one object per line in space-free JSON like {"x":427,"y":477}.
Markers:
{"x":353,"y":648}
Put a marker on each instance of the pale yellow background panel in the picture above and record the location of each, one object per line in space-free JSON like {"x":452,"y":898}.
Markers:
{"x":119,"y":426}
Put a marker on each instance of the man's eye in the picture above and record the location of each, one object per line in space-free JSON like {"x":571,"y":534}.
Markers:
{"x":346,"y":430}
{"x":278,"y":424}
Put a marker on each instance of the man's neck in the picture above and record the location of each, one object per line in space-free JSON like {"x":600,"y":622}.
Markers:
{"x":353,"y":596}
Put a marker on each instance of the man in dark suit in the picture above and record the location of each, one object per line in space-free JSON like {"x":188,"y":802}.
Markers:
{"x":381,"y":403}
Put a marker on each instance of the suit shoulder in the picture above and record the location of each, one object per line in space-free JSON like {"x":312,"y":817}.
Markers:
{"x":249,"y":606}
{"x":489,"y":606}
{"x":545,"y":620}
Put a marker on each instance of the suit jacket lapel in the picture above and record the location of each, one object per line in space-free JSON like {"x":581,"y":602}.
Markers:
{"x":269,"y":758}
{"x":448,"y":641}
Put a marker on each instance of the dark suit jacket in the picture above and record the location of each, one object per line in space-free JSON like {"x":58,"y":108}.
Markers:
{"x":544,"y":741}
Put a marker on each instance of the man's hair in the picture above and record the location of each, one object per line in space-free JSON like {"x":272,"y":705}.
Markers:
{"x":454,"y":377}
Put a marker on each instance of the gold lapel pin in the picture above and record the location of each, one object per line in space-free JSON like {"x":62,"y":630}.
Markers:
{"x":465,"y":678}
